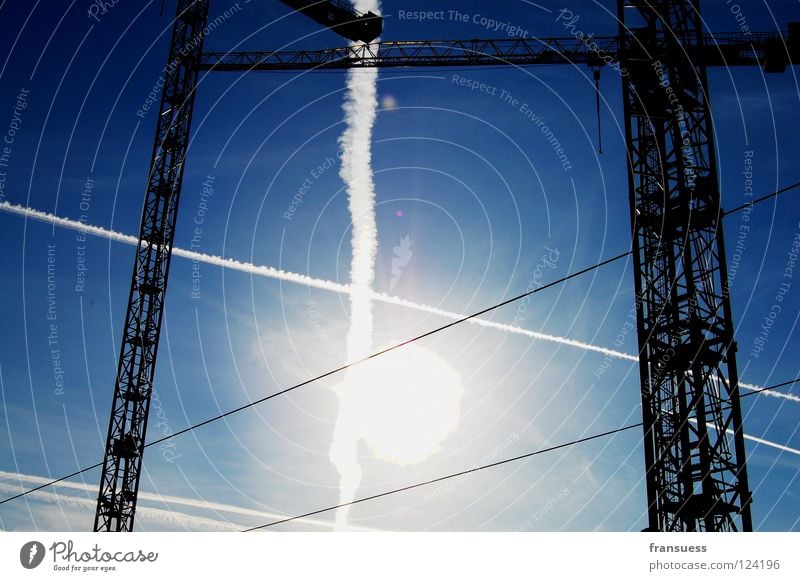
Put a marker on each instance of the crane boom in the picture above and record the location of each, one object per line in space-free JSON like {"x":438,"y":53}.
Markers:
{"x":340,"y":18}
{"x":728,"y":49}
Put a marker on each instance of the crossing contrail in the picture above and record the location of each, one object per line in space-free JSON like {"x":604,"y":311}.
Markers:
{"x":344,"y":289}
{"x":360,"y":110}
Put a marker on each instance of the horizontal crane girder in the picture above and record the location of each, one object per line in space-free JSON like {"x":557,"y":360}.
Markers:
{"x":727,"y":49}
{"x":340,"y":18}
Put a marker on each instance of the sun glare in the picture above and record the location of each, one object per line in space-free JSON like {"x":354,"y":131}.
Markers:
{"x":403,"y":404}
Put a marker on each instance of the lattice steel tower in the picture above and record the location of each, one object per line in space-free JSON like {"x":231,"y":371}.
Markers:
{"x":694,"y":447}
{"x":119,"y":484}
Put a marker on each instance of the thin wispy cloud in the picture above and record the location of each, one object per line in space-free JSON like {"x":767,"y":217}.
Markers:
{"x":17,"y":482}
{"x":166,"y":516}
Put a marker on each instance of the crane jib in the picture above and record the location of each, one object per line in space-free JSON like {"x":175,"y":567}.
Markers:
{"x":340,"y":18}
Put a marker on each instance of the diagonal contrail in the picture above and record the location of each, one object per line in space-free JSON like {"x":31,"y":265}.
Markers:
{"x":756,"y":439}
{"x":171,"y":516}
{"x":17,"y":479}
{"x":345,"y":289}
{"x":319,"y":283}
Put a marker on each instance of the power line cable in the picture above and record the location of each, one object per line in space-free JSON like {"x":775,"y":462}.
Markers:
{"x":761,"y":199}
{"x":449,"y":476}
{"x":384,"y":351}
{"x":771,"y":387}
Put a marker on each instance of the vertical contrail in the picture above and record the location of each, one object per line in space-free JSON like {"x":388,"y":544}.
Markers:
{"x":360,"y":109}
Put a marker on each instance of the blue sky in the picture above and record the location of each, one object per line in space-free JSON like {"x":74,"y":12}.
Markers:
{"x":464,"y":176}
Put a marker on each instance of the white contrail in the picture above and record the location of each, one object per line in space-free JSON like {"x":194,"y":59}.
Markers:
{"x":356,"y":144}
{"x":247,"y":267}
{"x":770,"y":393}
{"x":756,"y":439}
{"x":770,"y":444}
{"x":18,"y":478}
{"x":68,"y":223}
{"x":345,"y":289}
{"x":270,"y":272}
{"x":360,"y":109}
{"x":183,"y":519}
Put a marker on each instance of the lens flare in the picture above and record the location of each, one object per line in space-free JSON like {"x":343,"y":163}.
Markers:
{"x":403,"y":404}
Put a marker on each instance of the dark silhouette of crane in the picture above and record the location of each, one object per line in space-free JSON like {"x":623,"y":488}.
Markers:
{"x":694,"y":451}
{"x":341,"y":18}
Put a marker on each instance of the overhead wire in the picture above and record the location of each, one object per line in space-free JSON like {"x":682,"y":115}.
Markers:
{"x":383,"y":352}
{"x":449,"y":476}
{"x":761,"y":199}
{"x":771,"y":387}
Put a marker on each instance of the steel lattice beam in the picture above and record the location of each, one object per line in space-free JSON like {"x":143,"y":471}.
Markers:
{"x":119,"y":485}
{"x":694,"y":447}
{"x":717,"y":50}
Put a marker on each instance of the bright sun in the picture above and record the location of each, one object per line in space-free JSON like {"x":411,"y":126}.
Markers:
{"x":403,"y":404}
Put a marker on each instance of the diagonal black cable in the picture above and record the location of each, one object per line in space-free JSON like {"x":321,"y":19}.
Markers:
{"x":761,"y":199}
{"x":771,"y":387}
{"x":379,"y":353}
{"x":448,"y":476}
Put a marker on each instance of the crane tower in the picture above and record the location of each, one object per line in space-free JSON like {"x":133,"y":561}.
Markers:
{"x":693,"y":441}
